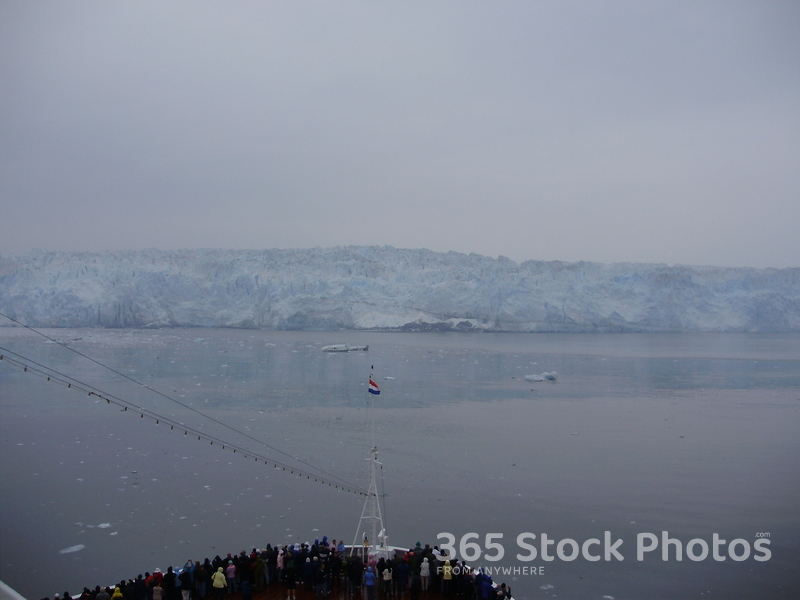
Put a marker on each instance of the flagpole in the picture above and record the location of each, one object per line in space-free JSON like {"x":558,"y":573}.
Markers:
{"x":372,"y":405}
{"x":374,"y":532}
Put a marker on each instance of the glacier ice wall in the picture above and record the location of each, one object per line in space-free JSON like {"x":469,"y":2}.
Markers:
{"x":388,"y":288}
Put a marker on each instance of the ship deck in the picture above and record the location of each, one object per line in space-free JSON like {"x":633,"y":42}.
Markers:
{"x":277,"y":591}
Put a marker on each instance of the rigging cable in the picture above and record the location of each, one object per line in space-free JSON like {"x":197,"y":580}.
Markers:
{"x":163,"y":395}
{"x":178,"y":402}
{"x":51,"y":375}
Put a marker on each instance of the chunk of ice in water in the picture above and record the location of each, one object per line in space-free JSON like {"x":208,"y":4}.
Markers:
{"x":72,"y":549}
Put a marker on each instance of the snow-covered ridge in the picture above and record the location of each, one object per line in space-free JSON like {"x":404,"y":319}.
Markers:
{"x":387,"y":288}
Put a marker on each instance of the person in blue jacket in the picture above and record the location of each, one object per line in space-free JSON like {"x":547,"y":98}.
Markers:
{"x":369,"y":582}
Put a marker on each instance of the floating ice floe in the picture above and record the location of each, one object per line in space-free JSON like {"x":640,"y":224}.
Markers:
{"x":344,"y":348}
{"x":547,"y":376}
{"x":72,"y":549}
{"x":104,"y":525}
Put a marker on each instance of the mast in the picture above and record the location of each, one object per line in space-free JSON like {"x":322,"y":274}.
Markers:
{"x":373,"y":535}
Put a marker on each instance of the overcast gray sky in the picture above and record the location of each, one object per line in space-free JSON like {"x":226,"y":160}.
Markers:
{"x":604,"y":131}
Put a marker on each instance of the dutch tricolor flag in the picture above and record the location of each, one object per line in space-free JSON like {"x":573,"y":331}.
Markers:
{"x":373,"y":387}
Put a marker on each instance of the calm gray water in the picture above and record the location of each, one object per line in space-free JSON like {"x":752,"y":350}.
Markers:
{"x":692,"y":434}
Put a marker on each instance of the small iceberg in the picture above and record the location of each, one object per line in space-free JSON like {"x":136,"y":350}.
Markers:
{"x":344,"y":348}
{"x":72,"y":549}
{"x":547,"y":376}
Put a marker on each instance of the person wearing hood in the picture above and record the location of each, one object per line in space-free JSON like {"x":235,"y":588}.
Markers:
{"x":324,"y":551}
{"x":308,"y":573}
{"x":386,"y":577}
{"x":487,"y":589}
{"x":218,"y":583}
{"x":425,"y":573}
{"x":117,"y":595}
{"x":447,"y":579}
{"x":230,"y":575}
{"x":279,"y":563}
{"x":185,"y":577}
{"x":369,"y":582}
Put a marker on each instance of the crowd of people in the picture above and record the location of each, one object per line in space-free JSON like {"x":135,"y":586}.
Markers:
{"x":324,"y":568}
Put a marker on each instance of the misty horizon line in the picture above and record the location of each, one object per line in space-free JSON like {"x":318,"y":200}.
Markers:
{"x":499,"y":257}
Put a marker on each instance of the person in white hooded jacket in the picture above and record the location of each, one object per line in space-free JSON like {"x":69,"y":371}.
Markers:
{"x":425,"y":573}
